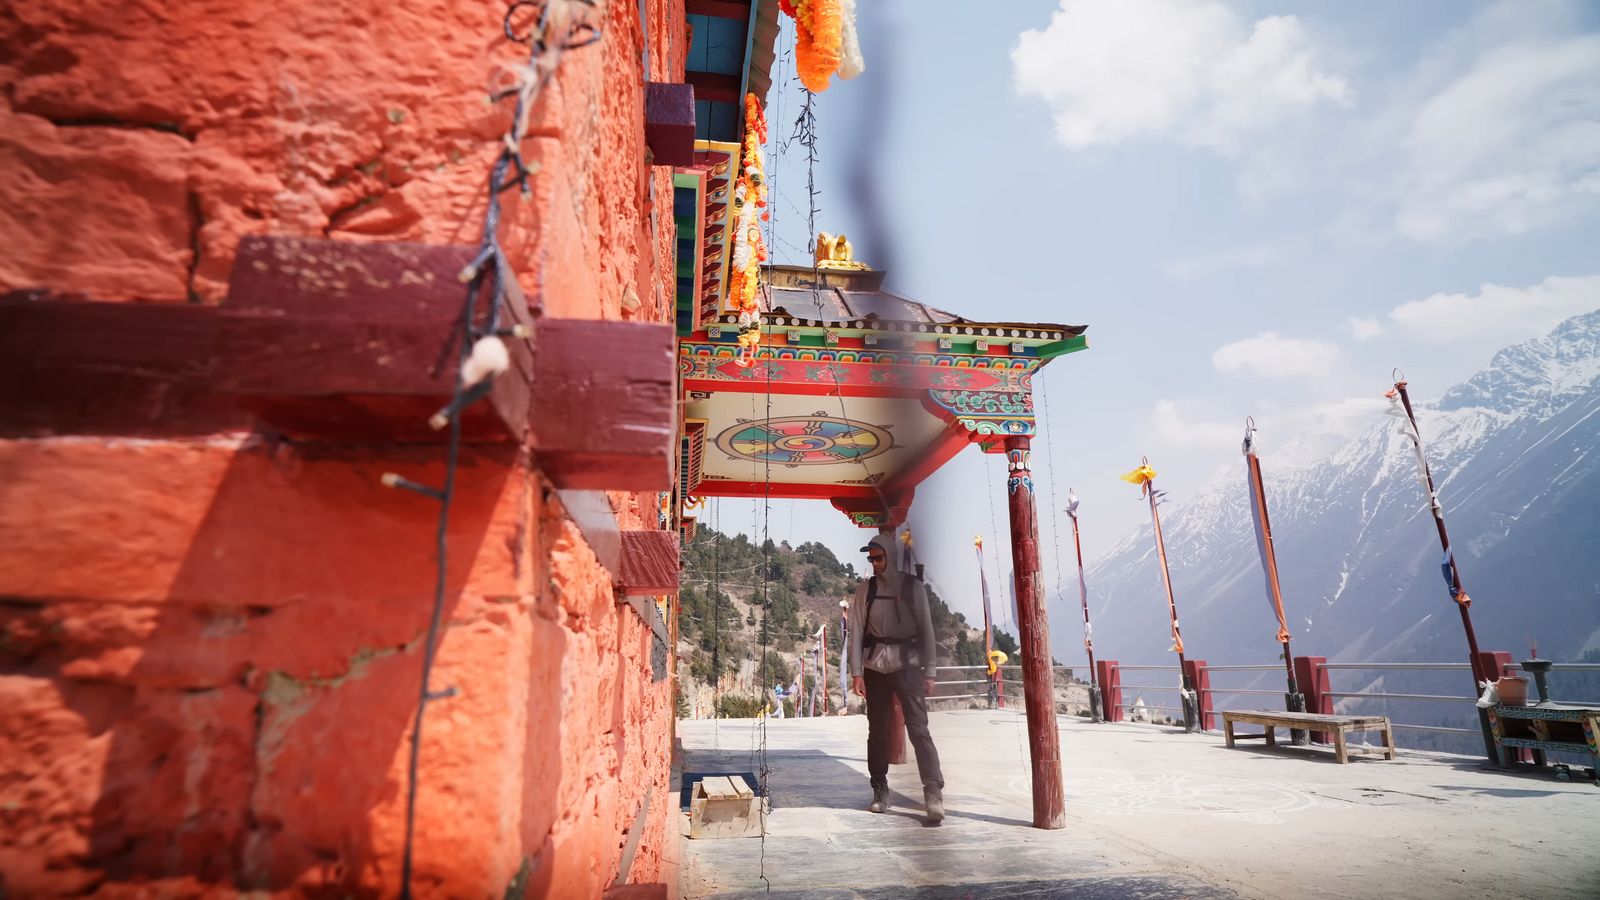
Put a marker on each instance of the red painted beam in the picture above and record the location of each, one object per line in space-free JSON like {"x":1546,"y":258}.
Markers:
{"x":719,"y":9}
{"x":713,"y":86}
{"x":800,"y":388}
{"x":782,"y":491}
{"x":649,"y":563}
{"x":951,"y":441}
{"x":75,"y":367}
{"x":602,"y":408}
{"x":342,"y":341}
{"x":669,"y":122}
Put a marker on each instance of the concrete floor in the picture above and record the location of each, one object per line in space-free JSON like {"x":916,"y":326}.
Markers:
{"x":1151,"y":812}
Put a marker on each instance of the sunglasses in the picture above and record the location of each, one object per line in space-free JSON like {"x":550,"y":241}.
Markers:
{"x":875,"y":557}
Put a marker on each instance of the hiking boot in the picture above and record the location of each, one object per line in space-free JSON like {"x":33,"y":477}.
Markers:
{"x":933,"y":802}
{"x":880,"y":799}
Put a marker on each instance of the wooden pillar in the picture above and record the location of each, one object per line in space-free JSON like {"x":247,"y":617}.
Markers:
{"x":1312,"y":679}
{"x":1110,"y":689}
{"x":1038,"y":680}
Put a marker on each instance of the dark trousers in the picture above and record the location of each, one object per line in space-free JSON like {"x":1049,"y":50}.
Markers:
{"x":881,"y":691}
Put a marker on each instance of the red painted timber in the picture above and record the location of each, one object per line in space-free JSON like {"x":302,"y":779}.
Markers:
{"x":649,"y":563}
{"x":1033,"y":626}
{"x":1110,"y":689}
{"x":75,"y":367}
{"x":603,"y":401}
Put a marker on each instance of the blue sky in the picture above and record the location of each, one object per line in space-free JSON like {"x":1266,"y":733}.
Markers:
{"x":1257,"y":208}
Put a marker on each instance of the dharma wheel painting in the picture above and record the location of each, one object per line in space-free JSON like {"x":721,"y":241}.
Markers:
{"x":804,"y":440}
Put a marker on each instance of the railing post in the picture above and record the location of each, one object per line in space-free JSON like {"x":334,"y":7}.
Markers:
{"x":1311,"y":676}
{"x":1110,"y":688}
{"x":1201,"y":679}
{"x":1493,"y":664}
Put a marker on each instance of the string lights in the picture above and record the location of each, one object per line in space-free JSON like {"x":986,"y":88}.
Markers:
{"x":479,"y":336}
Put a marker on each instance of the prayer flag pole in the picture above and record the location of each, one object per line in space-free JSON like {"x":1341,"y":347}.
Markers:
{"x":1145,"y":478}
{"x":1083,"y":598}
{"x":1400,"y":408}
{"x":844,"y":653}
{"x":996,"y":691}
{"x":1294,"y":701}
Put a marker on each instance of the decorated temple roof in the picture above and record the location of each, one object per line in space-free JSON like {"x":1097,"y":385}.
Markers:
{"x":855,"y":394}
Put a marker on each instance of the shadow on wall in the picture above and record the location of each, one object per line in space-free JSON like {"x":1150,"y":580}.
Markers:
{"x":253,"y":719}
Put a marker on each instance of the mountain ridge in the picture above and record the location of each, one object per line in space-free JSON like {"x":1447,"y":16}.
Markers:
{"x":1510,"y":452}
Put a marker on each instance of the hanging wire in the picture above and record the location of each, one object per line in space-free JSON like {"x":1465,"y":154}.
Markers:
{"x":480,"y":349}
{"x":763,"y":767}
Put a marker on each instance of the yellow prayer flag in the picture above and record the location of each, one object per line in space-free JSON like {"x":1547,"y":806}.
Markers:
{"x":1142,"y":475}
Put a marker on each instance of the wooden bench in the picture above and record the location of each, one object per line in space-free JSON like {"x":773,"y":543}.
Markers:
{"x":1338,"y":726}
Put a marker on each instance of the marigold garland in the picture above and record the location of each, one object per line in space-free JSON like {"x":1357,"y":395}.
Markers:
{"x":749,"y":248}
{"x":851,"y":62}
{"x":819,"y":32}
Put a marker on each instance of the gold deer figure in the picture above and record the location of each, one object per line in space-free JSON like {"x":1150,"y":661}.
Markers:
{"x":835,"y":252}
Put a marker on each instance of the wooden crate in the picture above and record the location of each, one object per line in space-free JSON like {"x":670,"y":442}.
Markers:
{"x":723,"y":807}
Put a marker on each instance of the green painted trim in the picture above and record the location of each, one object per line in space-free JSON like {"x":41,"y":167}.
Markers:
{"x":1062,"y":348}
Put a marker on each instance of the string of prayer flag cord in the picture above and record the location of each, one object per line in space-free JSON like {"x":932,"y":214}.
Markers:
{"x":481,"y":351}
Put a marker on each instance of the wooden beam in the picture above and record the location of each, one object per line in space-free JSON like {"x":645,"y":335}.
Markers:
{"x":349,"y":342}
{"x":719,"y":9}
{"x":1063,"y":347}
{"x":603,"y":404}
{"x":669,"y":123}
{"x":649,"y":564}
{"x":69,"y":366}
{"x":713,"y":86}
{"x":336,"y":340}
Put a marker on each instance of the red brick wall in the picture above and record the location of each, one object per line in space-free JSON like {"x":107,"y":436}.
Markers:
{"x":210,"y":648}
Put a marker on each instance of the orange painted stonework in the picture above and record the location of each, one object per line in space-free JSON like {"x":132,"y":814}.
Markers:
{"x":210,"y":648}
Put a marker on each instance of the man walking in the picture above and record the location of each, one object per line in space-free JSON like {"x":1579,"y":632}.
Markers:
{"x":893,"y":654}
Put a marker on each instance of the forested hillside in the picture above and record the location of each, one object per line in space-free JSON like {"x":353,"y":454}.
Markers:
{"x":728,"y":613}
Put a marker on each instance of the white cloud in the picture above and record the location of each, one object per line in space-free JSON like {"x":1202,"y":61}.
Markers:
{"x":1274,"y":356}
{"x":1113,"y":70}
{"x":1363,"y":328}
{"x":1510,"y":144}
{"x":1174,"y":430}
{"x":1497,"y":314}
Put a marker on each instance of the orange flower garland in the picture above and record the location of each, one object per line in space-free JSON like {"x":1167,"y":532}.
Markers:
{"x":749,"y":248}
{"x":818,"y":34}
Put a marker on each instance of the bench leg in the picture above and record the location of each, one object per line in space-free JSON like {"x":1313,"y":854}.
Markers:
{"x":1227,"y":731}
{"x":1388,"y":742}
{"x":1339,"y":748}
{"x":1272,"y":736}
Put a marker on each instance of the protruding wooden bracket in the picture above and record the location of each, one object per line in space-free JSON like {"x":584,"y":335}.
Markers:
{"x":649,"y":564}
{"x":344,"y":342}
{"x":669,"y":122}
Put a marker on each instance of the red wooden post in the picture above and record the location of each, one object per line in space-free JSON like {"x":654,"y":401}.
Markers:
{"x":1311,"y":674}
{"x":1201,"y":679}
{"x":1038,"y":680}
{"x":1111,"y":689}
{"x":1493,"y":663}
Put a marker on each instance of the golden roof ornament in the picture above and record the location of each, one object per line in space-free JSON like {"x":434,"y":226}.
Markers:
{"x":835,"y":252}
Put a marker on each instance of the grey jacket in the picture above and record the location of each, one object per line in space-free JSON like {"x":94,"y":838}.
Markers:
{"x":914,"y":618}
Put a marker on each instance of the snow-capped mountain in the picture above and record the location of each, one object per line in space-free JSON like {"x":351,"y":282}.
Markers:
{"x":1515,"y":451}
